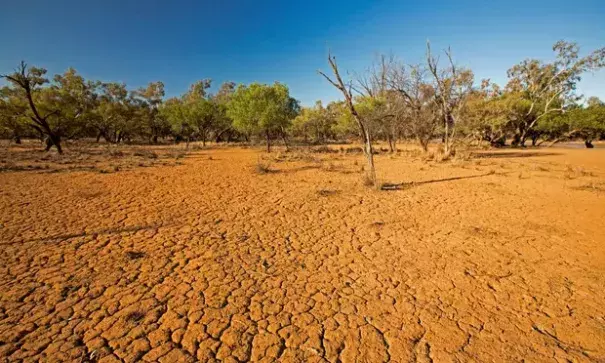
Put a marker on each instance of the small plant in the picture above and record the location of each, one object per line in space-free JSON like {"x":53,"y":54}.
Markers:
{"x":263,"y":167}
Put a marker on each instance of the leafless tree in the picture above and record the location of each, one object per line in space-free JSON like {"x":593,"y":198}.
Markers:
{"x":452,"y":86}
{"x":364,"y":127}
{"x":416,"y":98}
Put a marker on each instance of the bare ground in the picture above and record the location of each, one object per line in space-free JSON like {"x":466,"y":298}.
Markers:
{"x":168,"y":258}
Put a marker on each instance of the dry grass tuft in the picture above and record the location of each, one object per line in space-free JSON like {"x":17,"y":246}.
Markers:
{"x":263,"y":167}
{"x":146,"y":154}
{"x":592,"y":186}
{"x":327,"y":192}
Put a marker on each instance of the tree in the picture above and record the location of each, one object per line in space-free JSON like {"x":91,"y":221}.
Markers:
{"x":115,"y":114}
{"x":178,"y":114}
{"x":149,"y":100}
{"x":30,"y":81}
{"x":362,"y":123}
{"x":587,"y":123}
{"x":452,"y":87}
{"x":546,"y":88}
{"x":13,"y":115}
{"x":419,"y":109}
{"x":262,"y":109}
{"x":484,"y":114}
{"x":314,"y":122}
{"x":223,"y":123}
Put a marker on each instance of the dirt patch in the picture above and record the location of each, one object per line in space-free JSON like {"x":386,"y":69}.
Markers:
{"x":197,"y":256}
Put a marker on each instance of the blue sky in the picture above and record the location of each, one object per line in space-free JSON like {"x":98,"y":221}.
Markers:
{"x":180,"y":41}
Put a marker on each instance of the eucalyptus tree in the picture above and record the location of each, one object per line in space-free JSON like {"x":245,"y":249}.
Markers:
{"x":546,"y":88}
{"x":28,"y":83}
{"x":149,"y":100}
{"x":13,"y":115}
{"x":115,"y":113}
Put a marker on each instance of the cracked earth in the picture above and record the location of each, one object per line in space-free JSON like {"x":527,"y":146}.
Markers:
{"x":500,"y":258}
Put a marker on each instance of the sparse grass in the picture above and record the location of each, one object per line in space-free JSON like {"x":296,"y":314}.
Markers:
{"x":327,"y":192}
{"x":149,"y":154}
{"x":323,"y":150}
{"x":116,"y":153}
{"x":574,"y":172}
{"x":353,"y":150}
{"x":592,"y":186}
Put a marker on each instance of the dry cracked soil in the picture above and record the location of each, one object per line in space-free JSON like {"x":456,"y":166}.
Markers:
{"x":202,"y":258}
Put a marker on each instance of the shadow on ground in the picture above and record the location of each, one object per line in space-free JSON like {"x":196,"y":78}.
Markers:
{"x":401,"y":186}
{"x":514,"y":154}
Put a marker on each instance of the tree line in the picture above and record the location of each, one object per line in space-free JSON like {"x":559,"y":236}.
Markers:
{"x":390,"y":101}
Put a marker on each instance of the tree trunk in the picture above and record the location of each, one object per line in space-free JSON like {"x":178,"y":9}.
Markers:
{"x":285,"y":139}
{"x":369,"y":152}
{"x":446,"y":139}
{"x":155,"y":139}
{"x":424,"y":144}
{"x":268,"y":142}
{"x":54,"y":140}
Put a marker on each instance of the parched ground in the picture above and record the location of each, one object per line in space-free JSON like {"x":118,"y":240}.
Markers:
{"x":180,"y":258}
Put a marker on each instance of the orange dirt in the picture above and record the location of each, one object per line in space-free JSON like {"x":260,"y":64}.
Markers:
{"x":498,"y":258}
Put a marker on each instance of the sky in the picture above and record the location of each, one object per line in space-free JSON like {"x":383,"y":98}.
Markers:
{"x":179,"y":42}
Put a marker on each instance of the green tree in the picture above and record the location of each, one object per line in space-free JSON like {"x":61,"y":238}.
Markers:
{"x":28,"y":83}
{"x":14,"y":122}
{"x":262,"y":109}
{"x":545,"y":88}
{"x":149,"y":100}
{"x":314,"y":123}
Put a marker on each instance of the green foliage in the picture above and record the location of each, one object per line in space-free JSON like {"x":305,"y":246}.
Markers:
{"x":262,"y":109}
{"x":314,"y":123}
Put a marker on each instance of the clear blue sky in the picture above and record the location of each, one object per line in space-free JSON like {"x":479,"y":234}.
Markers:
{"x":179,"y":42}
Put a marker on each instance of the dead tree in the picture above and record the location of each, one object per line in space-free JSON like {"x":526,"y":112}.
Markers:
{"x":452,"y":88}
{"x":361,"y":122}
{"x":27,"y":79}
{"x":417,"y":100}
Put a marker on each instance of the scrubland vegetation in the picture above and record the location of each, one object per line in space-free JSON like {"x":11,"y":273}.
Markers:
{"x":159,"y":229}
{"x":390,"y":101}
